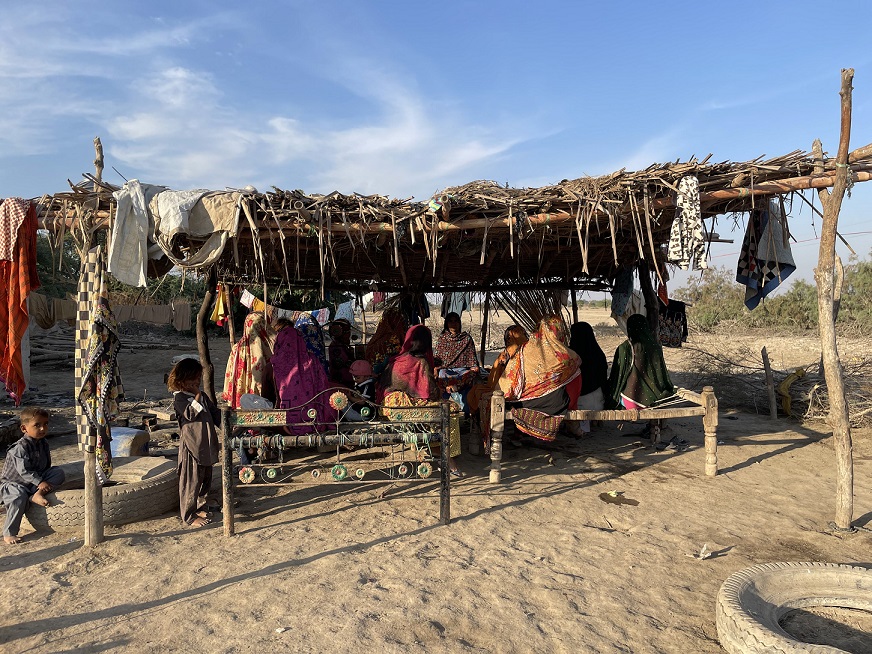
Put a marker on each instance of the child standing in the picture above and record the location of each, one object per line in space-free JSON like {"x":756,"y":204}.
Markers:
{"x":198,"y":440}
{"x":28,"y":473}
{"x":364,"y":386}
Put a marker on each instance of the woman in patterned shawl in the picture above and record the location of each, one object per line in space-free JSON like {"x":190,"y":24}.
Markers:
{"x":457,"y":367}
{"x":248,"y":368}
{"x":387,"y":340}
{"x":542,"y":381}
{"x":314,"y":337}
{"x":300,"y":383}
{"x":639,"y":377}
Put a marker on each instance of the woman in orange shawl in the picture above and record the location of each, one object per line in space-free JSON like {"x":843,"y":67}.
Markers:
{"x":387,"y":340}
{"x":539,"y":383}
{"x":514,"y":339}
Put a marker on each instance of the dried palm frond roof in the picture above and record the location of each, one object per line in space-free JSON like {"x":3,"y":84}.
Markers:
{"x":481,"y":235}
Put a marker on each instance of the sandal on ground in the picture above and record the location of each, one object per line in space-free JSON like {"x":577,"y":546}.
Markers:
{"x":457,"y":473}
{"x":198,"y":522}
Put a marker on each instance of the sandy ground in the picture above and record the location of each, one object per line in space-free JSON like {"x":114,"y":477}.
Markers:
{"x":538,"y":563}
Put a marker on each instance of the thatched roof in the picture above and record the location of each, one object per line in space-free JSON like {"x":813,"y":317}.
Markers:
{"x":577,"y":233}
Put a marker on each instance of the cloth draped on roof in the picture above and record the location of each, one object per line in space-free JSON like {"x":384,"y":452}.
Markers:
{"x":544,"y":365}
{"x":765,"y":260}
{"x":132,"y":233}
{"x":686,"y":243}
{"x":313,"y":335}
{"x":248,"y":364}
{"x":300,"y":383}
{"x":387,"y":340}
{"x":18,"y":277}
{"x":639,"y":372}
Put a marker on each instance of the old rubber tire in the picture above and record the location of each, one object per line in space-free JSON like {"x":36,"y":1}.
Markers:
{"x":752,"y":602}
{"x":149,"y":487}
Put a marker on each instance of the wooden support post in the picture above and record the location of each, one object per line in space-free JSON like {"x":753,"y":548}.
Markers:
{"x":770,"y":385}
{"x":228,"y":302}
{"x":839,"y":418}
{"x":710,"y":428}
{"x":445,"y":471}
{"x":651,"y":301}
{"x":203,"y":337}
{"x":498,"y":422}
{"x":574,"y":306}
{"x":227,"y":473}
{"x":485,"y":326}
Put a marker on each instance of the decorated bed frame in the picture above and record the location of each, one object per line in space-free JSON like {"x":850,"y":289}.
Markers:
{"x":396,"y":450}
{"x":703,"y":404}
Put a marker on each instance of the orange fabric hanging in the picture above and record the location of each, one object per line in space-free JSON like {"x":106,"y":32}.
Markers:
{"x":17,"y":279}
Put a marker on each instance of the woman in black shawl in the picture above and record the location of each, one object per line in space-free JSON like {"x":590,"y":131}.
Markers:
{"x":594,"y":370}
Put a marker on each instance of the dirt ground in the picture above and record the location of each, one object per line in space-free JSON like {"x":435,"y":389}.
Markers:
{"x":541,"y":562}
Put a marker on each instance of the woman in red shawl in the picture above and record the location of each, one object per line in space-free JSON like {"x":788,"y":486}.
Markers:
{"x":408,"y":381}
{"x":457,"y":367}
{"x":300,"y":383}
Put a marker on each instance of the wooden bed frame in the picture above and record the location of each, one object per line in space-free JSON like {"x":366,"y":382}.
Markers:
{"x":703,"y":404}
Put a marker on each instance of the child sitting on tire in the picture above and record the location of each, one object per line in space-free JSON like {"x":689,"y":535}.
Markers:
{"x":27,"y":473}
{"x":198,"y":441}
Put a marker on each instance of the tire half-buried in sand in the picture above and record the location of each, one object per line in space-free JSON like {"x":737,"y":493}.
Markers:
{"x":148,"y":487}
{"x":752,"y":602}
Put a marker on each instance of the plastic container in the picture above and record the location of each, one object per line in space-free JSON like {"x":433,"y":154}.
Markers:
{"x":127,"y":441}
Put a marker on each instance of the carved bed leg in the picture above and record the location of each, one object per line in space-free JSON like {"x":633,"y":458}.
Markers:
{"x":497,"y":425}
{"x":710,"y":426}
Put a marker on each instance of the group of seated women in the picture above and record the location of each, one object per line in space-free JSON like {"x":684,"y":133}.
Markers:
{"x":542,"y":375}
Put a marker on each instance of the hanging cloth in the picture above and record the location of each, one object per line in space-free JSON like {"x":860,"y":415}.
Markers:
{"x":220,"y":312}
{"x":686,"y":244}
{"x":12,"y":213}
{"x":766,"y":259}
{"x":18,"y":277}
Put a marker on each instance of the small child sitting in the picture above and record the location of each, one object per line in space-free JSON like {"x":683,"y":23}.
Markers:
{"x":28,"y":473}
{"x":364,"y":386}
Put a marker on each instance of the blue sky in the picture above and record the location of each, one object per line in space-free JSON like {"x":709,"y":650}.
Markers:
{"x":406,"y":98}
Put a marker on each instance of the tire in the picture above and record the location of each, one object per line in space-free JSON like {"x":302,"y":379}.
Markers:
{"x":149,"y":487}
{"x":752,"y":602}
{"x":10,"y":429}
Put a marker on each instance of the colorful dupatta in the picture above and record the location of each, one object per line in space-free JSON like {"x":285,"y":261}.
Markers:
{"x":300,"y":383}
{"x":314,"y":337}
{"x":247,"y":367}
{"x":18,"y":277}
{"x":387,"y":340}
{"x":543,"y":364}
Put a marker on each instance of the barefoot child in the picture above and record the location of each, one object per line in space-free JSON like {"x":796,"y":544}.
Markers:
{"x":198,"y":440}
{"x":28,"y":473}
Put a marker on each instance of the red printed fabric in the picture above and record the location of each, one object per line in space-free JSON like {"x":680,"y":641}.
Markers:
{"x":18,"y":278}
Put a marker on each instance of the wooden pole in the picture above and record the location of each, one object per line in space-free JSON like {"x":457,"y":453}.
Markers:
{"x":770,"y":384}
{"x":710,"y":428}
{"x":445,"y":472}
{"x":203,"y":337}
{"x":228,"y":302}
{"x":823,"y":274}
{"x":574,"y":306}
{"x":651,"y":302}
{"x":485,"y":326}
{"x":227,"y":473}
{"x":498,"y":423}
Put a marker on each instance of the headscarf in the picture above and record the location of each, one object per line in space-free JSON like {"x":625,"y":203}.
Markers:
{"x":387,"y":339}
{"x":410,"y":373}
{"x":544,"y":364}
{"x":313,"y":335}
{"x":594,"y":366}
{"x":455,"y":350}
{"x":299,"y":378}
{"x":248,"y":360}
{"x":638,"y":370}
{"x":341,"y":354}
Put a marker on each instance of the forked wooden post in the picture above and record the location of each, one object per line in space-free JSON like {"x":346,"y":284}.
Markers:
{"x":710,"y":427}
{"x":227,"y":473}
{"x":497,"y":425}
{"x":770,"y":384}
